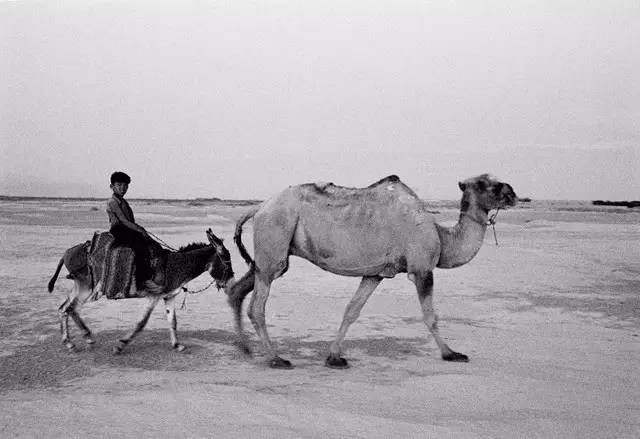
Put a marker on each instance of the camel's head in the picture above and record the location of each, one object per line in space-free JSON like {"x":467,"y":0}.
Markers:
{"x":488,"y":192}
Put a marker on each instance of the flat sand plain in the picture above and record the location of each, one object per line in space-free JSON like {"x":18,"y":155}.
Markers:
{"x":550,"y":319}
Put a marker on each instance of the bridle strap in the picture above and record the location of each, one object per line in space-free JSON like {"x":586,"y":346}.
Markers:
{"x":490,"y":222}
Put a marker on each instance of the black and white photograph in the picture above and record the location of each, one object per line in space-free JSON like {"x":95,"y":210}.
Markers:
{"x":320,"y":219}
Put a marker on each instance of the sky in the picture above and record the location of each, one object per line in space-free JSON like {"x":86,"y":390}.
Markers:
{"x":239,"y":99}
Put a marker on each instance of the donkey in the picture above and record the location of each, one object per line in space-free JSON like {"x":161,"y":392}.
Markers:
{"x":183,"y":265}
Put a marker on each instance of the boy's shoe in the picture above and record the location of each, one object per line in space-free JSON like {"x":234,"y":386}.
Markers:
{"x":152,"y":287}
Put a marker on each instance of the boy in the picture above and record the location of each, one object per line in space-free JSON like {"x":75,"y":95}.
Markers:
{"x":127,"y":232}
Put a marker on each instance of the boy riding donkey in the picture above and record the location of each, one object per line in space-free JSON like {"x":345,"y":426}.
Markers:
{"x":127,"y":233}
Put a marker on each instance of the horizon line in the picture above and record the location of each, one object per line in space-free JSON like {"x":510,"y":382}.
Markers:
{"x":4,"y":197}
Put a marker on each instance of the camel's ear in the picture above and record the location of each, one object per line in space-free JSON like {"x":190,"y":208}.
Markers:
{"x":462,"y":186}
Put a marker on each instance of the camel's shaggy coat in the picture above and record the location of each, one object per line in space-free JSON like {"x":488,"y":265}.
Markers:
{"x":374,"y":232}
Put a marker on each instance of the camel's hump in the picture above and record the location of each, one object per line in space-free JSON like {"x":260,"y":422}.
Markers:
{"x":323,"y":185}
{"x":388,"y":185}
{"x":389,"y":179}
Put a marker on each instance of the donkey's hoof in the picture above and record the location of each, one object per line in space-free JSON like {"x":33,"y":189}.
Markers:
{"x":456,"y":357}
{"x":89,"y":341}
{"x":117,"y":350}
{"x":179,"y":347}
{"x":336,"y":362}
{"x":70,"y":346}
{"x":244,"y":347}
{"x":279,"y":363}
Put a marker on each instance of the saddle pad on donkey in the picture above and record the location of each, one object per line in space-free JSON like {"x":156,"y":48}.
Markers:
{"x":111,"y":268}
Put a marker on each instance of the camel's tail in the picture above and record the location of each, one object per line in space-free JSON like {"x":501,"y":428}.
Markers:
{"x":237,"y":237}
{"x":55,"y":275}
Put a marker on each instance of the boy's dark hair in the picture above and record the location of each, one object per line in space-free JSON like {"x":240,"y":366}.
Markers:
{"x":120,"y":177}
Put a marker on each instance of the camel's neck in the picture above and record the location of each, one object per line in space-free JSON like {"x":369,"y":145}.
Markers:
{"x":460,"y":243}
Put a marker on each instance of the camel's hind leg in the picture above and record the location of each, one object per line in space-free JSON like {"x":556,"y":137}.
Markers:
{"x":237,"y":293}
{"x":152,"y":302}
{"x":351,"y":313}
{"x":257,"y":317}
{"x":424,"y":285}
{"x":170,"y":310}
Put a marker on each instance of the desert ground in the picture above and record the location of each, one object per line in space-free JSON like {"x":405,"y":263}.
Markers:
{"x":550,"y":319}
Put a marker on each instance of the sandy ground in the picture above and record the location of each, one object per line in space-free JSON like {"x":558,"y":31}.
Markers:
{"x":550,"y":319}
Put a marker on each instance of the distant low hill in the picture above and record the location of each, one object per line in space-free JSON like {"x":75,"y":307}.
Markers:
{"x":190,"y":201}
{"x":629,"y":204}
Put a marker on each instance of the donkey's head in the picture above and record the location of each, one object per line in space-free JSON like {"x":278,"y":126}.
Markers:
{"x":220,"y":266}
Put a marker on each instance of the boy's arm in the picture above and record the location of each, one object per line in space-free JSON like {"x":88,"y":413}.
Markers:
{"x":117,"y":211}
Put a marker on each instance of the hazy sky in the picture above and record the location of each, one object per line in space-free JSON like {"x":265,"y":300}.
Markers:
{"x":239,"y":99}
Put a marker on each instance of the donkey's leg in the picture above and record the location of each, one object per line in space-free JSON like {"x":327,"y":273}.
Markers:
{"x":170,"y":310}
{"x":152,"y":302}
{"x":351,"y":314}
{"x":424,"y":285}
{"x":67,"y":308}
{"x":74,"y":312}
{"x":86,"y":332}
{"x":257,"y":317}
{"x":64,"y":323}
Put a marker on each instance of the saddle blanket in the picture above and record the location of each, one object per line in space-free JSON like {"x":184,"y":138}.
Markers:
{"x":111,"y":268}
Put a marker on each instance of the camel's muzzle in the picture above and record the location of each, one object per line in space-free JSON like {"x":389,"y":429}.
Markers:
{"x":509,"y":195}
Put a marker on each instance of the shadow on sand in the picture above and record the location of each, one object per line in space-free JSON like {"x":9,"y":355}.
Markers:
{"x":49,"y":364}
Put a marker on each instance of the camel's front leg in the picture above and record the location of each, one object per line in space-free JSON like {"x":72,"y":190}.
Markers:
{"x":170,"y":310}
{"x":152,"y":302}
{"x":351,"y":314}
{"x":424,"y":285}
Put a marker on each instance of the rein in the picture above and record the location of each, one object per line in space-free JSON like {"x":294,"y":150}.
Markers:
{"x":491,"y":222}
{"x":188,"y":291}
{"x":164,"y":244}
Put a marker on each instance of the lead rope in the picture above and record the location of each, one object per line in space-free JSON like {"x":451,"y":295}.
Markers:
{"x":187,"y":291}
{"x":492,"y":223}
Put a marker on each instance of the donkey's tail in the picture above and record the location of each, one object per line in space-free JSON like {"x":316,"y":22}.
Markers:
{"x":237,"y":237}
{"x":55,"y":275}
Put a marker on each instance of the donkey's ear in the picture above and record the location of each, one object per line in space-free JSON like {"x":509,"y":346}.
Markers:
{"x":213,"y":239}
{"x":462,"y":186}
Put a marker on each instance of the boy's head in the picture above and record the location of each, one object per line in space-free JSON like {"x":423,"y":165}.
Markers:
{"x":120,"y":177}
{"x":120,"y":183}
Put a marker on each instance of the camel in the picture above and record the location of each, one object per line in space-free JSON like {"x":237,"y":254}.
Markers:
{"x":183,"y":265}
{"x":375,"y":232}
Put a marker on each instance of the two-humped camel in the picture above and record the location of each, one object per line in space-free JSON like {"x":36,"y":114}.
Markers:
{"x":374,"y":232}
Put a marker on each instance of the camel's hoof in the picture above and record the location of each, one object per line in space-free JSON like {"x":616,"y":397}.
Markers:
{"x":89,"y":341}
{"x":456,"y":357}
{"x":179,"y":347}
{"x":335,"y":362}
{"x":70,"y":346}
{"x":279,"y":363}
